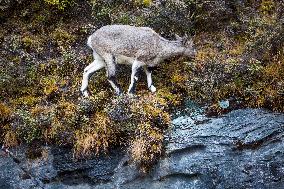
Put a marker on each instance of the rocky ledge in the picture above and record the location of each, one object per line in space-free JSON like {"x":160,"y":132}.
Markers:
{"x":242,"y":149}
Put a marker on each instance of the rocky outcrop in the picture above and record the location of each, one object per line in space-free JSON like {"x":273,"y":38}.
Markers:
{"x":242,"y":149}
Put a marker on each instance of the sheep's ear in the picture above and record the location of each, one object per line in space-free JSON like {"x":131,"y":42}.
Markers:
{"x":189,"y":43}
{"x":178,"y":38}
{"x":184,"y":39}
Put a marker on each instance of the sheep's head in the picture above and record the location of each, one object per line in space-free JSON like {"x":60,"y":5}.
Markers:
{"x":188,"y":44}
{"x":190,"y":50}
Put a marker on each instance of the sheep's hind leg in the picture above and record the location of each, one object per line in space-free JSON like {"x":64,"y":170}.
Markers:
{"x":148,"y":71}
{"x":88,"y":71}
{"x":134,"y":78}
{"x":111,"y":72}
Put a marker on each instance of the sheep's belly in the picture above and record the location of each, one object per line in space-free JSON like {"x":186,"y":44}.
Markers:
{"x":121,"y":59}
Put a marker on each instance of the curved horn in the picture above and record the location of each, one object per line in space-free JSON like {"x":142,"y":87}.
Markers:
{"x":178,"y":38}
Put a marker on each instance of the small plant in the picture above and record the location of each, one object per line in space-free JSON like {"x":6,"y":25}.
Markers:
{"x":95,"y":136}
{"x":147,"y":145}
{"x":5,"y":112}
{"x":60,"y":4}
{"x":267,"y":6}
{"x":26,"y":126}
{"x":10,"y":139}
{"x":5,"y":119}
{"x":62,"y":38}
{"x":143,"y":2}
{"x":32,"y":42}
{"x":49,"y":85}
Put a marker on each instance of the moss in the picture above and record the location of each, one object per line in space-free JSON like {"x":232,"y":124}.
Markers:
{"x":62,"y":38}
{"x":124,"y":18}
{"x":60,"y":4}
{"x":26,"y":100}
{"x":29,"y":42}
{"x":16,"y":59}
{"x":49,"y":84}
{"x":27,"y":128}
{"x":267,"y":6}
{"x":33,"y":42}
{"x":5,"y":112}
{"x":146,"y":3}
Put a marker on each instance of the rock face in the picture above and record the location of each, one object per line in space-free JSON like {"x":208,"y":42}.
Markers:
{"x":242,"y":149}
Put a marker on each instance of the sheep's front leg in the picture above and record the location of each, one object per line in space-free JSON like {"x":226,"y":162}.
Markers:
{"x":148,"y":71}
{"x":111,"y":72}
{"x":88,"y":71}
{"x":135,"y":66}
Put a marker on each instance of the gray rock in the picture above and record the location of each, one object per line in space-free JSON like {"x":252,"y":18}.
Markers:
{"x":12,"y":176}
{"x":242,"y":149}
{"x":56,"y":168}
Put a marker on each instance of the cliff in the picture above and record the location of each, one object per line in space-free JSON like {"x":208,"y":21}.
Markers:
{"x":242,"y":149}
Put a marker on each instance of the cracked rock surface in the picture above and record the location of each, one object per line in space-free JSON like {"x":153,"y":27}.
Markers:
{"x":242,"y":149}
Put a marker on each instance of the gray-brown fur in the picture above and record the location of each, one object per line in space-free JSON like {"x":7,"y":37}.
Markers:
{"x":141,"y":43}
{"x":137,"y":46}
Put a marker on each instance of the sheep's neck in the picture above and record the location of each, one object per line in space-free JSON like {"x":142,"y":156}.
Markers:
{"x":171,"y":49}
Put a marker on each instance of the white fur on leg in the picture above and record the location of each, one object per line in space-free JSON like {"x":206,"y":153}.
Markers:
{"x":131,"y":82}
{"x":135,"y":66}
{"x":134,"y":69}
{"x":95,"y":66}
{"x":85,"y":94}
{"x":151,"y":87}
{"x":116,"y":88}
{"x":84,"y":85}
{"x":84,"y":82}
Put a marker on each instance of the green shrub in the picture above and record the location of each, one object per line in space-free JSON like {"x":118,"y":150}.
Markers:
{"x":27,"y":128}
{"x":62,"y":38}
{"x":60,"y":4}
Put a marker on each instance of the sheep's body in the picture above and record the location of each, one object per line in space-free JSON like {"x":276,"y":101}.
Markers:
{"x":141,"y":43}
{"x":137,"y":46}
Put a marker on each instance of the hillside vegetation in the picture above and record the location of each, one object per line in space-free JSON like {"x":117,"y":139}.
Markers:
{"x":240,"y":60}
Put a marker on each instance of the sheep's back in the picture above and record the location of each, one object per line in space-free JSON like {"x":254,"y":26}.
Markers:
{"x":139,"y":42}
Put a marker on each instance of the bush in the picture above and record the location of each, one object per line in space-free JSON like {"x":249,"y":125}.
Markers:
{"x":95,"y":136}
{"x":60,"y":4}
{"x":147,"y":146}
{"x":5,"y":113}
{"x":26,"y":127}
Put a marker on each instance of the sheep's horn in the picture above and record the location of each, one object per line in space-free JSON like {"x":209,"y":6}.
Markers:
{"x":178,"y":37}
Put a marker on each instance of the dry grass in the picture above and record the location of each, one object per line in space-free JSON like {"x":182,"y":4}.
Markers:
{"x":96,"y":137}
{"x":147,"y":146}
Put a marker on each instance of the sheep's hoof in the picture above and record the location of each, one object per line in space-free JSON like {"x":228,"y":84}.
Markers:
{"x":85,"y":93}
{"x":153,"y":89}
{"x":118,"y":94}
{"x":131,"y":94}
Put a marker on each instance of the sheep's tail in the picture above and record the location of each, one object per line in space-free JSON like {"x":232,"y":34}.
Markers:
{"x":89,"y":42}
